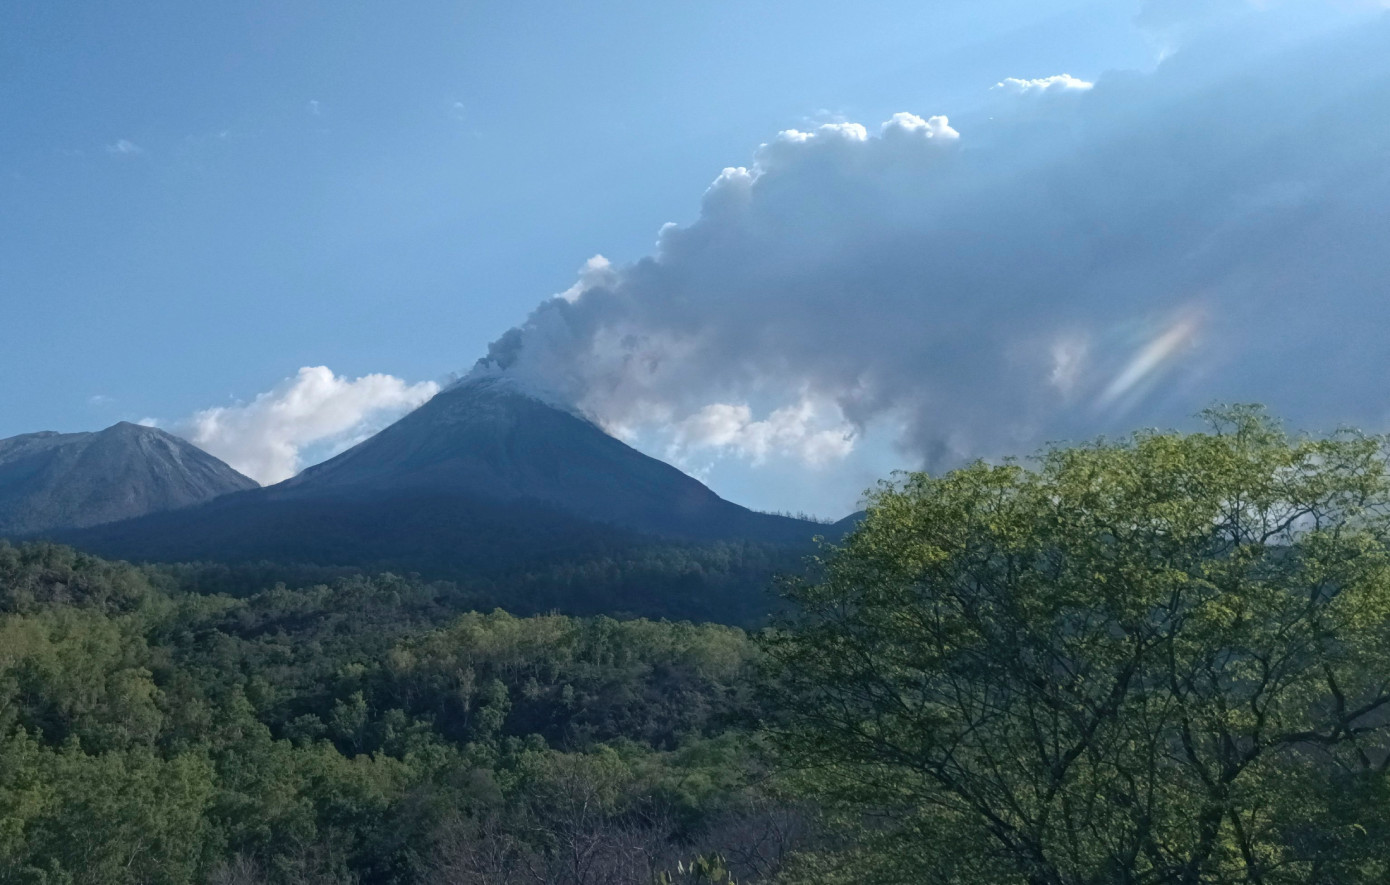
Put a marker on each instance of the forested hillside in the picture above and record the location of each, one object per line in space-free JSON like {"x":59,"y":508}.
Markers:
{"x":360,"y":731}
{"x":522,"y":557}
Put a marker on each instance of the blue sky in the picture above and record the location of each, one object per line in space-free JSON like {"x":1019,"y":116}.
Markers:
{"x":197,"y":200}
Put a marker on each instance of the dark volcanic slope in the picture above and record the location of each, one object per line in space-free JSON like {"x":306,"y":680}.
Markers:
{"x":52,"y":481}
{"x":483,"y":477}
{"x":486,"y":439}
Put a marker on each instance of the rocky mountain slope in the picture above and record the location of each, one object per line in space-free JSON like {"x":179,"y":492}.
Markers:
{"x":485,"y":479}
{"x":488,"y":439}
{"x":53,"y":481}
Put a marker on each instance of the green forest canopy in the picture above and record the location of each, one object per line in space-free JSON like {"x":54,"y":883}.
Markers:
{"x":1156,"y":660}
{"x":1161,"y":660}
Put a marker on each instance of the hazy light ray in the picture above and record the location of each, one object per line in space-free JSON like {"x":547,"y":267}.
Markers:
{"x":1150,"y":359}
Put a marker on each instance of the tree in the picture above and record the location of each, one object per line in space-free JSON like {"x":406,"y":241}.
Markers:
{"x":1159,"y":660}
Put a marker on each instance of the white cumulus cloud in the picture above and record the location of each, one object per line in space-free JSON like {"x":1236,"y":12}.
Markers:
{"x":910,"y":125}
{"x":1053,"y":84}
{"x":801,"y":430}
{"x":267,"y":437}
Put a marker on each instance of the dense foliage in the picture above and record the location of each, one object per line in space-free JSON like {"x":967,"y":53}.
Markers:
{"x":360,"y":730}
{"x":1158,"y":661}
{"x":1162,"y":660}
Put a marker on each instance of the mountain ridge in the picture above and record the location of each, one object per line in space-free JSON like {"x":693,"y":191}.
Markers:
{"x":55,"y":481}
{"x":529,"y":504}
{"x":483,"y":479}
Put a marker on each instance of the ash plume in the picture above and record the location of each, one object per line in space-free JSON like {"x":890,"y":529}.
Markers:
{"x":1072,"y":256}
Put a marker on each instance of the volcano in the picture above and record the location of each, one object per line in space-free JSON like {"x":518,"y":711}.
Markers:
{"x":52,"y":481}
{"x":487,"y":477}
{"x":492,"y":439}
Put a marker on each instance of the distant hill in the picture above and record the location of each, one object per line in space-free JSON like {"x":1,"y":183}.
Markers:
{"x":52,"y":481}
{"x":488,"y":482}
{"x":838,"y":530}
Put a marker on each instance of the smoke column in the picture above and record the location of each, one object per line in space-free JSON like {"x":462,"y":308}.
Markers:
{"x":1065,"y":259}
